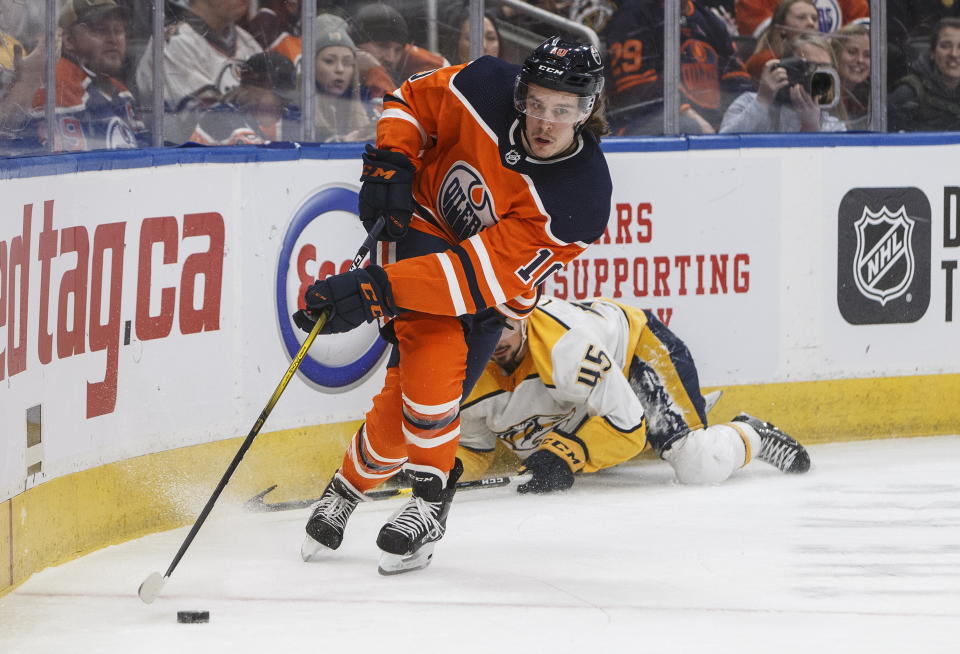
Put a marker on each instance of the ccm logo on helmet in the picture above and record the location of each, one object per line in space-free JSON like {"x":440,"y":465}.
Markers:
{"x":548,"y":69}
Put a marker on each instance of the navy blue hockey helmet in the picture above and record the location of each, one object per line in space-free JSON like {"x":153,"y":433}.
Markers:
{"x":564,"y":66}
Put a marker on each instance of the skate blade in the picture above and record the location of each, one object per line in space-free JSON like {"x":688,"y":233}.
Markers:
{"x":395,"y":564}
{"x":311,"y":550}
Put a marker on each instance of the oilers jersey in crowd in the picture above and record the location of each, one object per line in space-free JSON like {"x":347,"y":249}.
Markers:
{"x":711,"y":72}
{"x":568,"y":377}
{"x":93,"y":112}
{"x":511,"y":220}
{"x":753,"y":16}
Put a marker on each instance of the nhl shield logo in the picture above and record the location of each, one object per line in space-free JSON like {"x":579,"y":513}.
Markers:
{"x":884,"y":263}
{"x":512,"y":157}
{"x":883,"y":255}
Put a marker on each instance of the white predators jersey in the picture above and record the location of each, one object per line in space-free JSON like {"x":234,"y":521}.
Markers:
{"x":576,"y":367}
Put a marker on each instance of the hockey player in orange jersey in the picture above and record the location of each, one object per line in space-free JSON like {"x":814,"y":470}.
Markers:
{"x":491,"y":178}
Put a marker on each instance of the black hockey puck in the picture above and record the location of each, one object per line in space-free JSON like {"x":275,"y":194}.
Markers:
{"x":193,"y":617}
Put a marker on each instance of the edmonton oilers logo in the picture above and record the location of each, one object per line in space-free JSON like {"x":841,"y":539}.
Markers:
{"x":320,"y":241}
{"x":828,"y":15}
{"x":884,"y":261}
{"x":119,"y":135}
{"x":464,"y":201}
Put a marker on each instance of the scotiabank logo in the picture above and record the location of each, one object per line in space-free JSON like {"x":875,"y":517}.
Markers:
{"x":883,"y":271}
{"x":321,"y":240}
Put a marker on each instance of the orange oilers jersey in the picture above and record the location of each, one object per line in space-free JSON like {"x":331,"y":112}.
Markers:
{"x":289,"y":46}
{"x":753,"y":16}
{"x":416,"y":60}
{"x":511,"y":220}
{"x":92,"y":112}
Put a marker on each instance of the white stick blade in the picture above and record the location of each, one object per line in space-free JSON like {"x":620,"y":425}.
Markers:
{"x":151,"y":587}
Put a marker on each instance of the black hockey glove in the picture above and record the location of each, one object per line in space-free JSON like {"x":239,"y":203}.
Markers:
{"x":550,"y":473}
{"x":353,"y":298}
{"x":387,"y":189}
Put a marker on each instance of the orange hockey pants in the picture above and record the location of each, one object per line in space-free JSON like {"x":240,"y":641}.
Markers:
{"x":415,"y":419}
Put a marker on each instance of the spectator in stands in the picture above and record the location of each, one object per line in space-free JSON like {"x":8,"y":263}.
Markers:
{"x":761,"y":111}
{"x":340,"y":114}
{"x":21,"y":75}
{"x":262,"y":109}
{"x":455,"y":41}
{"x":375,"y":80}
{"x":909,"y":25}
{"x":200,"y":62}
{"x":928,"y":99}
{"x":755,"y":16}
{"x":381,"y":31}
{"x":274,"y":20}
{"x":851,"y":48}
{"x":94,"y":109}
{"x":711,"y":73}
{"x":790,"y":19}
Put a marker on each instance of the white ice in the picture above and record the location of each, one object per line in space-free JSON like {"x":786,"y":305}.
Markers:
{"x":862,"y":554}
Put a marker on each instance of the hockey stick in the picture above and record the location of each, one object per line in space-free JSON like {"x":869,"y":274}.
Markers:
{"x":153,"y":584}
{"x":256,"y":503}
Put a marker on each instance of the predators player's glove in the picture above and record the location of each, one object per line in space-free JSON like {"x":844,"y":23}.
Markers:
{"x":388,"y":190}
{"x":550,"y":473}
{"x":353,"y":298}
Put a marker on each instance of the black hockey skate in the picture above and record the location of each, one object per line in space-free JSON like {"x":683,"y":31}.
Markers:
{"x":328,"y":517}
{"x":407,"y":539}
{"x":777,"y":448}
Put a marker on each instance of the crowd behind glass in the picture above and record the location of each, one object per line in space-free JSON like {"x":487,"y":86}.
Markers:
{"x":233,"y":72}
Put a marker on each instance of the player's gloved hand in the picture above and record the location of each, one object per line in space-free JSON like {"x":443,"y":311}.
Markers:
{"x":550,"y":473}
{"x":387,"y":189}
{"x":353,"y":298}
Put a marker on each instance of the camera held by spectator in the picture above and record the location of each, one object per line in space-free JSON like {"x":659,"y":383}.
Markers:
{"x":819,"y":81}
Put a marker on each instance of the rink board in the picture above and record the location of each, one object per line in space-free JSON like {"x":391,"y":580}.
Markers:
{"x":138,"y":398}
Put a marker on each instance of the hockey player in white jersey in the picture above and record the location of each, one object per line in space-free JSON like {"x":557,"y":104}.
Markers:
{"x":582,"y":386}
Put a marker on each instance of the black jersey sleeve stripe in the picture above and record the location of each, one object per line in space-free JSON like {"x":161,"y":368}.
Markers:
{"x":471,"y":275}
{"x":524,"y":310}
{"x":389,"y":97}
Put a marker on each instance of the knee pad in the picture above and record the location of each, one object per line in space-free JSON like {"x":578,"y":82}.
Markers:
{"x":706,"y":456}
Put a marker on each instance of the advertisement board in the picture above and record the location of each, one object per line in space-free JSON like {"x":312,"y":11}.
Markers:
{"x":148,"y":309}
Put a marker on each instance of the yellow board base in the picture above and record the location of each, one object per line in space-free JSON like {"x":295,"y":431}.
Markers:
{"x":73,"y":515}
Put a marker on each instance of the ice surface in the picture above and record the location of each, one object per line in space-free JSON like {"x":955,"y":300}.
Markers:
{"x":862,"y":554}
